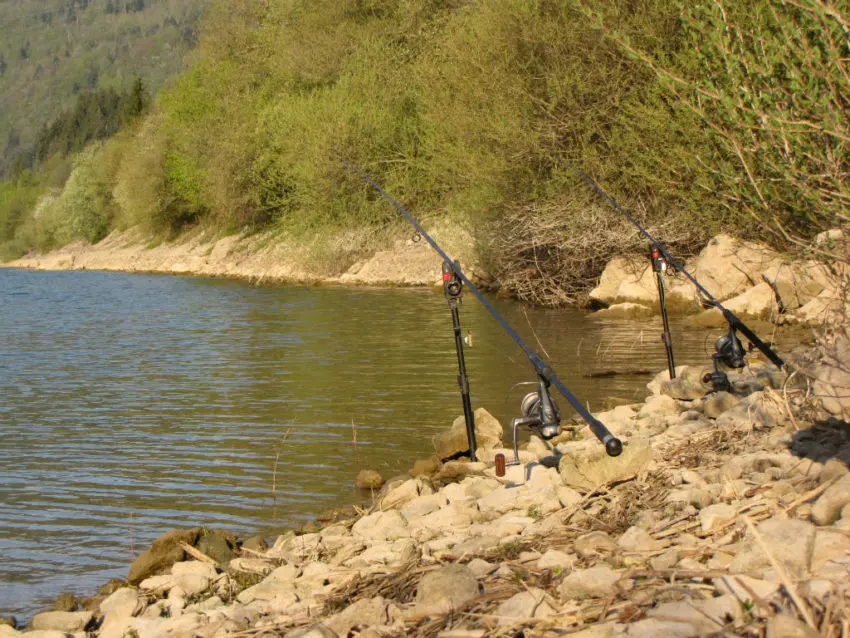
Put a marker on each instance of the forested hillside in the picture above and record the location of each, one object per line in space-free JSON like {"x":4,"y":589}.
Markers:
{"x":54,"y":51}
{"x":699,"y":115}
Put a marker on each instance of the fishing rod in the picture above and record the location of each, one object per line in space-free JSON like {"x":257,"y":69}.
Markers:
{"x":729,"y":348}
{"x":539,"y":414}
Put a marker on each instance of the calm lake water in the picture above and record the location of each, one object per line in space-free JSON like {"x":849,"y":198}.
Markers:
{"x":134,"y":404}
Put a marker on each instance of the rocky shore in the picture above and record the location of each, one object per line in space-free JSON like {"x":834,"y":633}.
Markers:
{"x":728,"y":514}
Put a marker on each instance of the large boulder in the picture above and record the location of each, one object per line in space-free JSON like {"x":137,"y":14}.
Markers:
{"x":626,"y":279}
{"x":162,"y":554}
{"x":796,"y":283}
{"x":727,"y":266}
{"x":454,"y":442}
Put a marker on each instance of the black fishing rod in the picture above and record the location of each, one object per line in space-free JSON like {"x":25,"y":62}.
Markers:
{"x":545,"y":373}
{"x":729,"y":348}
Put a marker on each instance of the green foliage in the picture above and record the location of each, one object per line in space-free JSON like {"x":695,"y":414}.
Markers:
{"x":53,"y":50}
{"x":767,"y":83}
{"x":696,"y":115}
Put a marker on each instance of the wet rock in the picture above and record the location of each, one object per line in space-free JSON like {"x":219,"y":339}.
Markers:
{"x":718,"y":403}
{"x":9,"y":621}
{"x":589,"y":583}
{"x":66,"y":602}
{"x":827,"y":508}
{"x":218,"y":545}
{"x":446,"y":589}
{"x":532,"y":603}
{"x":67,"y":621}
{"x":162,"y":554}
{"x":595,"y":467}
{"x":488,"y":434}
{"x":623,"y":310}
{"x":369,"y":480}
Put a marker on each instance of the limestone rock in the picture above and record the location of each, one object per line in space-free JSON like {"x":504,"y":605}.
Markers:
{"x":790,"y":542}
{"x":532,"y":603}
{"x":446,"y":589}
{"x":595,"y":582}
{"x":67,"y":621}
{"x":382,"y":526}
{"x":705,"y":616}
{"x":796,"y":284}
{"x":488,"y":434}
{"x":623,"y":310}
{"x":827,"y":508}
{"x":832,"y":377}
{"x":313,"y":631}
{"x":122,"y":603}
{"x":594,"y":543}
{"x":716,"y":516}
{"x":727,"y":266}
{"x":480,"y":567}
{"x":626,"y":279}
{"x":636,"y":539}
{"x":369,"y":480}
{"x":718,"y":403}
{"x":785,"y":626}
{"x":363,"y":613}
{"x":596,"y":468}
{"x":740,"y":586}
{"x":759,"y":302}
{"x":661,"y":405}
{"x":556,"y":559}
{"x":162,"y":554}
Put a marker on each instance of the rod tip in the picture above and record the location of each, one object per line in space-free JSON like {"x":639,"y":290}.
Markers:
{"x":614,"y":447}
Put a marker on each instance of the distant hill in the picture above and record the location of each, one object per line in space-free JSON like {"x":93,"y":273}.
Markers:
{"x":53,"y":50}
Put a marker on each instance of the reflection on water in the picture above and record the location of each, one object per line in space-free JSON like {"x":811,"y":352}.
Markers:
{"x":133,"y":404}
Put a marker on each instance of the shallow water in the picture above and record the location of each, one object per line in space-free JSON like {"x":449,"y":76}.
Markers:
{"x":134,"y":404}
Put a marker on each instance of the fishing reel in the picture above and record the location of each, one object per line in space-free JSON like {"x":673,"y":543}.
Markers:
{"x":730,"y":352}
{"x":540,"y":415}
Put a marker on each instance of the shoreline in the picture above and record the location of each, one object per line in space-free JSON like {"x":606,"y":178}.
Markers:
{"x":341,"y":260}
{"x":709,"y":492}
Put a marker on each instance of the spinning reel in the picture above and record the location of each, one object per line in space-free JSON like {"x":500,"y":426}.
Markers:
{"x":730,"y":352}
{"x":540,"y":415}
